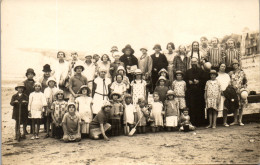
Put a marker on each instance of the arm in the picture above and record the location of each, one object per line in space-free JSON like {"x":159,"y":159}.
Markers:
{"x":150,"y":65}
{"x":70,"y":88}
{"x":13,"y":101}
{"x":103,"y":132}
{"x":64,"y":127}
{"x":94,"y":88}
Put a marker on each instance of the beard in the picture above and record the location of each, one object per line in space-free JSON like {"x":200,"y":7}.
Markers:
{"x":194,"y":66}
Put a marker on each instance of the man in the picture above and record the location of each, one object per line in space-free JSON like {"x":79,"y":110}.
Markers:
{"x":73,"y":61}
{"x":230,"y":54}
{"x":195,"y":93}
{"x":181,"y":61}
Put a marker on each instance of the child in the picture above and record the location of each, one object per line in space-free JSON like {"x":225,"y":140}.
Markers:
{"x":179,"y":88}
{"x":161,"y":89}
{"x":115,"y":114}
{"x":118,"y":85}
{"x":121,"y":70}
{"x":185,"y":121}
{"x":142,"y":114}
{"x":171,"y":108}
{"x":138,"y":87}
{"x":19,"y":100}
{"x":156,"y":114}
{"x":49,"y":93}
{"x":212,"y":98}
{"x":115,"y":65}
{"x":84,"y":107}
{"x":163,"y":72}
{"x":59,"y":108}
{"x":37,"y":105}
{"x":129,"y":114}
{"x":71,"y":124}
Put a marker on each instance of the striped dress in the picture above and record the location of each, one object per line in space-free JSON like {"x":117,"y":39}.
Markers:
{"x":215,"y":56}
{"x":230,"y":55}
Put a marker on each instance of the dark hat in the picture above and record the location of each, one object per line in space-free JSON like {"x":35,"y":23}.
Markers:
{"x":179,"y":72}
{"x":82,"y":87}
{"x":46,"y":68}
{"x":114,"y":48}
{"x":128,"y":47}
{"x":21,"y":84}
{"x":213,"y":72}
{"x":30,"y":70}
{"x":157,"y":46}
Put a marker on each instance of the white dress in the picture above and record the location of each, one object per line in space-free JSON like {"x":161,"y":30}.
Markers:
{"x":224,"y":80}
{"x":37,"y":101}
{"x":170,"y":58}
{"x":85,"y":112}
{"x":129,"y":113}
{"x":119,"y":87}
{"x":156,"y":114}
{"x":139,"y":90}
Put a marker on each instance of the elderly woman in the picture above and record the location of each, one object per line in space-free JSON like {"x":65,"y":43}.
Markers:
{"x":239,"y":82}
{"x":224,"y":80}
{"x":170,"y":54}
{"x":181,"y":61}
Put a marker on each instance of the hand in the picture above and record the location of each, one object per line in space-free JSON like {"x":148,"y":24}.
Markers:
{"x":106,"y":138}
{"x":29,"y":114}
{"x":190,"y":82}
{"x":76,"y":95}
{"x":155,"y":69}
{"x":196,"y":81}
{"x":16,"y":101}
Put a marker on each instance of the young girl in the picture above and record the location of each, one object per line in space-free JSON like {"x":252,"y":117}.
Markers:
{"x":161,"y":89}
{"x":129,"y":114}
{"x":157,"y":112}
{"x":59,"y":108}
{"x":163,"y":72}
{"x":37,"y":105}
{"x":49,"y":93}
{"x":121,"y":70}
{"x":212,"y":98}
{"x":138,"y":86}
{"x":118,"y":85}
{"x":179,"y":89}
{"x":71,"y":124}
{"x":185,"y":121}
{"x":171,"y":108}
{"x":142,"y":115}
{"x":84,"y":107}
{"x":19,"y":100}
{"x":115,"y":114}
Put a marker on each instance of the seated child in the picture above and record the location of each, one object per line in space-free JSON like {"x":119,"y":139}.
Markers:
{"x":185,"y":121}
{"x":129,"y":114}
{"x":71,"y":124}
{"x":142,"y":115}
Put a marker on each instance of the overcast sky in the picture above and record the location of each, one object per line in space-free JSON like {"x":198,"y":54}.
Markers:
{"x":94,"y":25}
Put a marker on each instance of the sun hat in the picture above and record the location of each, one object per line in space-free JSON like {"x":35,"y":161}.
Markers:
{"x":102,"y":69}
{"x":106,"y":104}
{"x":170,"y":92}
{"x":138,"y":71}
{"x":71,"y":103}
{"x":120,"y":68}
{"x":46,"y":68}
{"x":128,"y":47}
{"x":30,"y":70}
{"x":163,"y":70}
{"x":157,"y":46}
{"x":51,"y":79}
{"x":78,"y":65}
{"x":127,"y":95}
{"x":114,"y":48}
{"x":59,"y":92}
{"x":179,"y":72}
{"x":21,"y":84}
{"x":213,"y":72}
{"x":115,"y":93}
{"x":144,"y":47}
{"x":37,"y":83}
{"x":82,"y":87}
{"x":162,"y":78}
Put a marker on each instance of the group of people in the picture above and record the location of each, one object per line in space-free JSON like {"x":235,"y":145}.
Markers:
{"x":115,"y":94}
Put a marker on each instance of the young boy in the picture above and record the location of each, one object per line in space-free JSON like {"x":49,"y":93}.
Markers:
{"x":20,"y":100}
{"x":130,"y":115}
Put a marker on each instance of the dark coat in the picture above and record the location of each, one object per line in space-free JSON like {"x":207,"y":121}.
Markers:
{"x":29,"y":86}
{"x":24,"y":110}
{"x":129,"y":61}
{"x":231,"y":101}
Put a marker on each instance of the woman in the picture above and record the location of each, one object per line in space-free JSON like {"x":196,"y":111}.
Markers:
{"x":224,"y":79}
{"x":105,"y":63}
{"x":239,"y":82}
{"x":170,"y":54}
{"x":181,"y":61}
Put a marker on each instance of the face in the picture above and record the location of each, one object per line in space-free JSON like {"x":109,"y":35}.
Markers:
{"x":74,"y":56}
{"x":142,"y":104}
{"x":51,"y":84}
{"x":179,"y":77}
{"x":195,"y":46}
{"x":170,"y":97}
{"x":119,"y":78}
{"x":214,"y":42}
{"x":61,"y":56}
{"x":79,"y":69}
{"x":127,"y":51}
{"x":235,"y":66}
{"x":107,"y":109}
{"x":121,"y":72}
{"x":47,"y":74}
{"x":169,"y":47}
{"x":105,"y":58}
{"x":88,"y":58}
{"x":37,"y":88}
{"x":204,"y":41}
{"x":231,"y":44}
{"x":102,"y":74}
{"x":162,"y":82}
{"x":163,"y":74}
{"x":156,"y":97}
{"x":182,"y":49}
{"x":60,"y":96}
{"x":72,"y":109}
{"x":222,"y":67}
{"x":84,"y":91}
{"x":96,"y":57}
{"x":212,"y":76}
{"x":157,"y":50}
{"x":116,"y":57}
{"x":30,"y":76}
{"x":128,"y":100}
{"x":138,"y":77}
{"x":115,"y":97}
{"x":20,"y":89}
{"x":185,"y":113}
{"x":144,"y":51}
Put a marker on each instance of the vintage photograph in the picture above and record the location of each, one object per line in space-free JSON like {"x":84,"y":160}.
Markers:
{"x":147,"y":82}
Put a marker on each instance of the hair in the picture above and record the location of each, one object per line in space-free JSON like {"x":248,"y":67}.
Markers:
{"x":95,"y":55}
{"x":64,"y":55}
{"x":119,"y":75}
{"x":231,"y":39}
{"x":198,"y":50}
{"x":215,"y":38}
{"x":73,"y":106}
{"x":141,"y":78}
{"x":205,"y":38}
{"x":118,"y":96}
{"x":141,"y":100}
{"x":186,"y":109}
{"x":103,"y":57}
{"x":185,"y":49}
{"x":88,"y":91}
{"x":37,"y":85}
{"x":172,"y":45}
{"x":56,"y":95}
{"x":221,"y":64}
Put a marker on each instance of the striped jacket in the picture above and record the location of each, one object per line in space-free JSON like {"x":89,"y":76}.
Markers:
{"x":215,"y":56}
{"x":230,"y":55}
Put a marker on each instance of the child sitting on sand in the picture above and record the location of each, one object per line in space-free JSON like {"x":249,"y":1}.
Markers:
{"x":185,"y":121}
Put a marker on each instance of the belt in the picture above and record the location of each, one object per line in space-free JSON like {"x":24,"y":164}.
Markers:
{"x":101,"y":94}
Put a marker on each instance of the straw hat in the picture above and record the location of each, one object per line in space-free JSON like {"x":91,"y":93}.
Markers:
{"x":127,"y":95}
{"x":82,"y":87}
{"x":162,"y":78}
{"x":138,"y":71}
{"x":163,"y":70}
{"x":120,"y":68}
{"x":170,"y":92}
{"x":51,"y":79}
{"x":21,"y":84}
{"x":106,"y":104}
{"x":145,"y":48}
{"x":179,"y":72}
{"x":114,"y":48}
{"x":78,"y":65}
{"x":213,"y":72}
{"x":37,"y":83}
{"x":115,"y":93}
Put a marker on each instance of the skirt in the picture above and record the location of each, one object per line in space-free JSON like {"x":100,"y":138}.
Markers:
{"x":36,"y":114}
{"x":115,"y":127}
{"x":172,"y":121}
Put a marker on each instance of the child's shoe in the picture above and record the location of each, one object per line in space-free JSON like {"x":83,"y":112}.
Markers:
{"x":226,"y":125}
{"x":33,"y":137}
{"x":241,"y":124}
{"x":37,"y":137}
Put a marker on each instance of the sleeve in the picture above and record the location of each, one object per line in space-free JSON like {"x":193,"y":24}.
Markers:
{"x":77,"y":100}
{"x":30,"y":101}
{"x":150,"y":64}
{"x":100,"y":119}
{"x":165,"y":62}
{"x":132,"y":83}
{"x":71,"y":82}
{"x":206,"y":87}
{"x":44,"y":102}
{"x":112,"y":86}
{"x":12,"y":100}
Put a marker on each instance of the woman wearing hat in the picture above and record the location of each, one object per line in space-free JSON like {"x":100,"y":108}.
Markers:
{"x":129,"y":60}
{"x":99,"y":124}
{"x":159,"y":62}
{"x":20,"y":100}
{"x":46,"y":74}
{"x":170,"y":54}
{"x":239,"y":82}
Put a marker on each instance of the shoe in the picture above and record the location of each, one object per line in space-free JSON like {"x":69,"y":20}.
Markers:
{"x":46,"y":136}
{"x":241,"y":124}
{"x":214,"y":127}
{"x":33,"y":137}
{"x":234,"y":123}
{"x":209,"y":126}
{"x":37,"y":137}
{"x":226,"y":125}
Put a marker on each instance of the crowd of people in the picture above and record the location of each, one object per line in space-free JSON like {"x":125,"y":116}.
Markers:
{"x":117,"y":93}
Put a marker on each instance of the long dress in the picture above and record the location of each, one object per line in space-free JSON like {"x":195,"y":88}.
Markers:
{"x":156,"y":114}
{"x":213,"y":91}
{"x":170,"y":57}
{"x":223,"y":79}
{"x":37,"y":101}
{"x":139,"y":90}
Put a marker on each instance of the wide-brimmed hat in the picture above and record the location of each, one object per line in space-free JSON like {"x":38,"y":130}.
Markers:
{"x":46,"y":68}
{"x":179,"y":72}
{"x":120,"y":68}
{"x":88,"y":55}
{"x":21,"y":84}
{"x":115,"y":93}
{"x":128,"y":47}
{"x":138,"y":71}
{"x":163,"y":70}
{"x":59,"y":92}
{"x":102,"y":69}
{"x":127,"y":95}
{"x":78,"y":65}
{"x":144,"y":47}
{"x":106,"y":104}
{"x":170,"y":92}
{"x":114,"y":48}
{"x":213,"y":72}
{"x":71,"y":103}
{"x":51,"y":79}
{"x":235,"y":61}
{"x":157,"y":46}
{"x":162,"y":78}
{"x":30,"y":70}
{"x":82,"y":87}
{"x":37,"y":83}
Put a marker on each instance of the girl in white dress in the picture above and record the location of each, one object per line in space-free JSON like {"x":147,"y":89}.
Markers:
{"x":156,"y":115}
{"x":37,"y":105}
{"x":138,"y":87}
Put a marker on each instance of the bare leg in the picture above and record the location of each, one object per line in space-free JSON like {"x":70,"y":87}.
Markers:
{"x":235,"y":117}
{"x":225,"y":118}
{"x":16,"y":130}
{"x":240,"y":116}
{"x":210,"y":118}
{"x":38,"y":126}
{"x":48,"y":125}
{"x":214,"y":112}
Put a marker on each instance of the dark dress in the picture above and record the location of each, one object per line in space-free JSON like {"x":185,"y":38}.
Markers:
{"x":29,"y":86}
{"x":158,"y":63}
{"x":195,"y":95}
{"x":24,"y":110}
{"x":231,"y":101}
{"x":129,"y":60}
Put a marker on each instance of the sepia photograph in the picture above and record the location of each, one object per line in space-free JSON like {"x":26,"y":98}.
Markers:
{"x":130,"y":82}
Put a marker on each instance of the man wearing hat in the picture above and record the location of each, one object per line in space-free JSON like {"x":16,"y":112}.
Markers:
{"x":159,"y":62}
{"x":129,"y":60}
{"x":46,"y":74}
{"x":145,"y":63}
{"x":113,"y":50}
{"x":90,"y":70}
{"x":77,"y":81}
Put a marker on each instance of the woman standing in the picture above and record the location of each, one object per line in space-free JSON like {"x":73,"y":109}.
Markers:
{"x":105,"y":64}
{"x":224,"y":79}
{"x":170,"y":54}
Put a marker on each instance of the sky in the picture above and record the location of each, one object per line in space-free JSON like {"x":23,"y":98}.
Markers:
{"x":94,"y":26}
